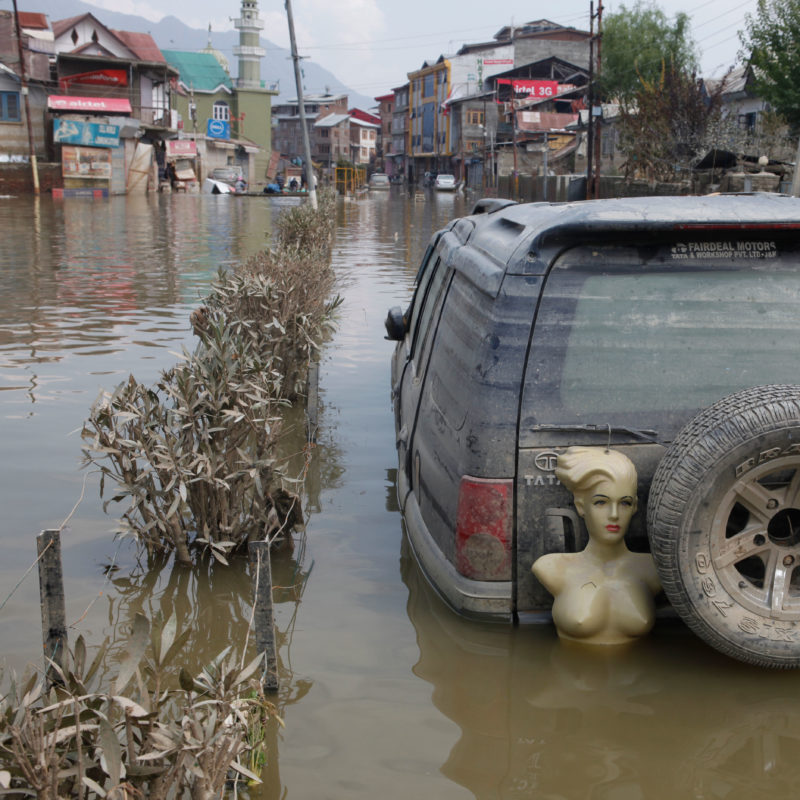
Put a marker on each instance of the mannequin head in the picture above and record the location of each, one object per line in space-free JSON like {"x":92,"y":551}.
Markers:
{"x":603,"y":485}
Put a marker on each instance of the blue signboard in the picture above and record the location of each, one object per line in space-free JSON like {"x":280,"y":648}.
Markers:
{"x":90,"y":134}
{"x":218,"y":129}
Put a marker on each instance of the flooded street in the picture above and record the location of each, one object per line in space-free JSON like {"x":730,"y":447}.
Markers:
{"x":384,"y":692}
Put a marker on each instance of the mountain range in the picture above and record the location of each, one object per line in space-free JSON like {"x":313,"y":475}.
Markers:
{"x":172,"y":34}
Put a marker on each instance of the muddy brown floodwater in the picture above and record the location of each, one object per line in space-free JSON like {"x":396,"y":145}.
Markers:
{"x":384,"y":692}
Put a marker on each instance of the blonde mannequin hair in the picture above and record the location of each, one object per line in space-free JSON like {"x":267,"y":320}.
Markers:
{"x":581,"y":468}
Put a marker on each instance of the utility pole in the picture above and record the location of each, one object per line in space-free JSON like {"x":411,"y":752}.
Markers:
{"x":24,"y":85}
{"x":598,"y":127}
{"x":590,"y":120}
{"x":301,"y":107}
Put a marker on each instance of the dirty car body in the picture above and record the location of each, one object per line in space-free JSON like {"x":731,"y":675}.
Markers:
{"x":608,"y":323}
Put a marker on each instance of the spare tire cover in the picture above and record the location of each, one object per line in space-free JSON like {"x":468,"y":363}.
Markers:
{"x":724,"y":525}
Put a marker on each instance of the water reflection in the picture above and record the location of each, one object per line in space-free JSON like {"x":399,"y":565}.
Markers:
{"x":665,"y":717}
{"x":384,"y":691}
{"x":213,"y":604}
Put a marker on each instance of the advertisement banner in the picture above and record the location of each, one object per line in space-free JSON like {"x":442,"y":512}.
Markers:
{"x":536,"y":89}
{"x":87,"y":163}
{"x":97,"y":77}
{"x":92,"y":134}
{"x":181,"y":148}
{"x":98,"y":105}
{"x":218,"y":129}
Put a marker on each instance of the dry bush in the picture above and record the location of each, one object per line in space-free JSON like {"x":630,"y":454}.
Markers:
{"x":140,"y":737}
{"x":194,"y":456}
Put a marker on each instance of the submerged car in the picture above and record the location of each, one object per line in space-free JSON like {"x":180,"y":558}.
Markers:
{"x":445,"y":183}
{"x":231,"y":175}
{"x":379,"y":181}
{"x":665,"y":328}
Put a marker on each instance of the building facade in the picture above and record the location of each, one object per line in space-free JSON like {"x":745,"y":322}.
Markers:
{"x":288,"y":133}
{"x":432,"y":90}
{"x":385,"y":112}
{"x":397,"y":163}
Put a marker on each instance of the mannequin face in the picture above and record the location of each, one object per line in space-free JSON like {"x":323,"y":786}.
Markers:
{"x":607,"y":509}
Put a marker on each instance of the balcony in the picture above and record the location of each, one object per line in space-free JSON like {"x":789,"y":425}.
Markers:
{"x":248,"y":51}
{"x":248,"y":22}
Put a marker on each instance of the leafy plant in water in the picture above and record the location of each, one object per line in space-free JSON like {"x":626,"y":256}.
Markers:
{"x":140,"y":738}
{"x":194,"y":456}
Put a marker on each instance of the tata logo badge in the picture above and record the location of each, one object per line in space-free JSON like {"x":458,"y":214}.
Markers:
{"x":546,"y":461}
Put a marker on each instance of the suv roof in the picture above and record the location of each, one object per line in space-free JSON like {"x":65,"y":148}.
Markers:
{"x":515,"y":235}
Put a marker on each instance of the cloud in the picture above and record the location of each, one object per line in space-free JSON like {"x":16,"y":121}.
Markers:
{"x":139,"y":8}
{"x":333,"y":34}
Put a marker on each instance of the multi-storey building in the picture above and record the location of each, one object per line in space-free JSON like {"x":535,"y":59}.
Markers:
{"x":397,"y":164}
{"x":437,"y":142}
{"x":364,"y":130}
{"x":287,"y":132}
{"x":431,"y":91}
{"x":385,"y":112}
{"x":332,"y":138}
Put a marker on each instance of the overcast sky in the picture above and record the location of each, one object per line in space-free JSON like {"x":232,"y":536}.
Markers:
{"x":370,"y":45}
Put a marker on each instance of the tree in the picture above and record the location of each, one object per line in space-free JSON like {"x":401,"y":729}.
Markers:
{"x":669,"y":123}
{"x":638,"y":43}
{"x":771,"y":43}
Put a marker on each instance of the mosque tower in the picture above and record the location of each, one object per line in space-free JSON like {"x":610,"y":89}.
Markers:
{"x":249,"y":50}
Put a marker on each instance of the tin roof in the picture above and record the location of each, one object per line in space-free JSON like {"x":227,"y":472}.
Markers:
{"x":33,"y":20}
{"x":142,"y":45}
{"x":199,"y":71}
{"x":331,"y":121}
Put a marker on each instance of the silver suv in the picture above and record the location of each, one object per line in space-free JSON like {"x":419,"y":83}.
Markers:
{"x":667,"y":328}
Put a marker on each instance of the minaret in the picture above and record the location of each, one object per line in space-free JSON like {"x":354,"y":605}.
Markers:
{"x":249,"y":51}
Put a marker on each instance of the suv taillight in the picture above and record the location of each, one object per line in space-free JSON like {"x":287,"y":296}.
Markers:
{"x":483,"y":528}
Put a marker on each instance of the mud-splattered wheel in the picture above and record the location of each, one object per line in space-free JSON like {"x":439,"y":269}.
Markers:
{"x":724,"y":525}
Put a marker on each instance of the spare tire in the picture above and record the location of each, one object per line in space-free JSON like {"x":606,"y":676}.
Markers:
{"x":724,"y":525}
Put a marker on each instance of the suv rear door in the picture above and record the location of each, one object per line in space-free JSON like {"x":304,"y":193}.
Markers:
{"x":629,"y":344}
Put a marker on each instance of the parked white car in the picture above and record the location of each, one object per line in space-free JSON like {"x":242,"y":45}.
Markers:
{"x":445,"y":183}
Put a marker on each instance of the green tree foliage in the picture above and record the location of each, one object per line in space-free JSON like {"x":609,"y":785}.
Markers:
{"x":638,"y":42}
{"x":771,"y":43}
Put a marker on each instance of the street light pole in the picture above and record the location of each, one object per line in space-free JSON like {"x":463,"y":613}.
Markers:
{"x":301,"y":106}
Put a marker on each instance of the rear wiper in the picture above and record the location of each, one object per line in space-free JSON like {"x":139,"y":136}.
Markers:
{"x":648,"y":435}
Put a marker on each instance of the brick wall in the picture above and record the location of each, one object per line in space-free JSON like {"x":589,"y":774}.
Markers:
{"x":18,"y":178}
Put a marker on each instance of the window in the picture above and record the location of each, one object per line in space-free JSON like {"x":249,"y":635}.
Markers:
{"x":9,"y":107}
{"x":748,"y":121}
{"x":427,"y":298}
{"x":615,"y":345}
{"x":609,"y":141}
{"x":222,"y":111}
{"x":324,"y":133}
{"x":474,"y":117}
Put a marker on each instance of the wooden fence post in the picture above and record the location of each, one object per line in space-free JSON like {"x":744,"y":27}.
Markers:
{"x":312,"y":401}
{"x":51,"y":594}
{"x":261,"y":577}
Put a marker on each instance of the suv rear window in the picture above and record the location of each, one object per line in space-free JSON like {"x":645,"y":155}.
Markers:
{"x":643,"y":338}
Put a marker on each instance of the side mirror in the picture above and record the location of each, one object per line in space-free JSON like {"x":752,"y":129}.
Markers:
{"x":395,"y":324}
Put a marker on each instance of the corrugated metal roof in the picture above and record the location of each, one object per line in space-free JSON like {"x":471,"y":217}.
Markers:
{"x":199,"y":71}
{"x":61,"y":25}
{"x":331,"y":121}
{"x":142,"y":45}
{"x":33,"y":20}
